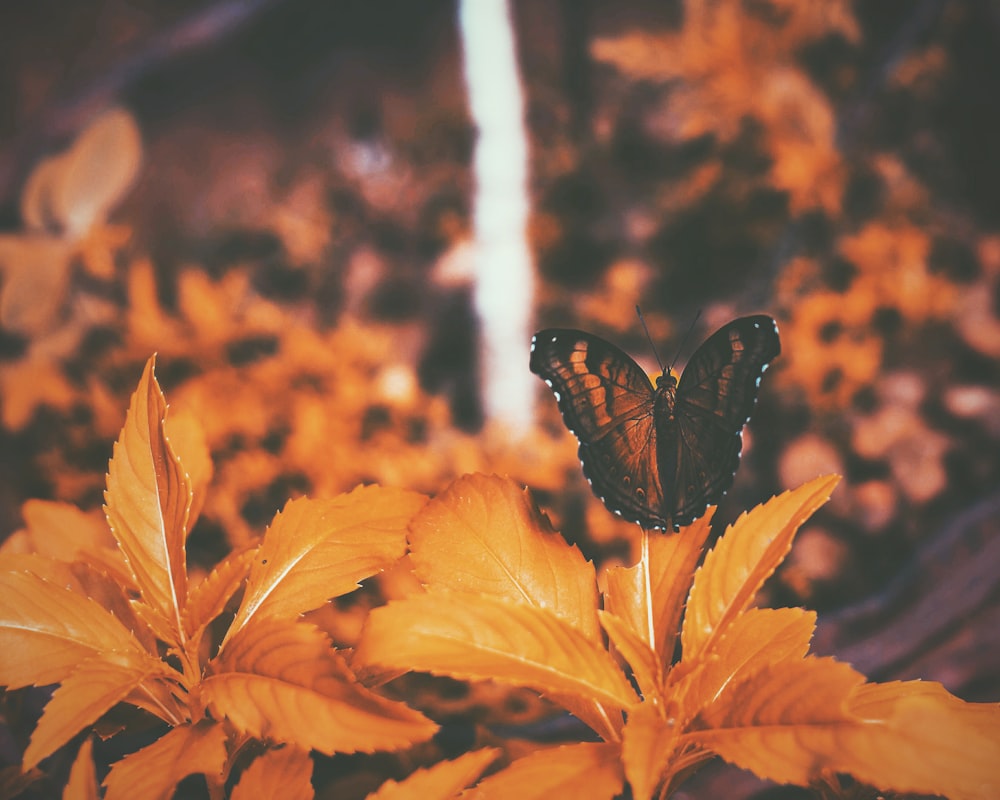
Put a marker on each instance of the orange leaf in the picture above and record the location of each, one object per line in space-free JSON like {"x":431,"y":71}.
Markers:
{"x":153,"y":772}
{"x":645,"y":664}
{"x":93,"y":687}
{"x":916,"y":737}
{"x":648,"y":746}
{"x":318,"y":549}
{"x":283,"y":774}
{"x":590,"y":770}
{"x":82,"y":781}
{"x":208,"y":599}
{"x":47,"y":630}
{"x":36,"y":272}
{"x":745,"y":556}
{"x":63,"y":532}
{"x":87,"y":582}
{"x":485,"y":535}
{"x":147,"y":503}
{"x":784,"y":722}
{"x":282,"y":681}
{"x":758,"y":638}
{"x":187,"y":441}
{"x":650,"y":596}
{"x":441,"y":782}
{"x":483,"y":638}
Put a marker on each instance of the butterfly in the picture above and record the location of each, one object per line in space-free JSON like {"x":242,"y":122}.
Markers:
{"x":658,"y":455}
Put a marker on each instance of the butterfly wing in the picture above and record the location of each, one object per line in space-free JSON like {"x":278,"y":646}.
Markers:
{"x":715,"y":396}
{"x":607,"y":402}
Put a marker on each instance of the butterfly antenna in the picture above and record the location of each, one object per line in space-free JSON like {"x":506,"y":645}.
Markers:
{"x":649,"y":338}
{"x":680,"y":347}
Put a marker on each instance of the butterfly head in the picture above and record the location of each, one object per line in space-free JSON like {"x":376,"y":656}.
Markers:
{"x":666,"y":379}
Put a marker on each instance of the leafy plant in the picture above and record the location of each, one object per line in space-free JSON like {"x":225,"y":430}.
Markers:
{"x":507,"y":599}
{"x":109,"y":612}
{"x":127,"y":625}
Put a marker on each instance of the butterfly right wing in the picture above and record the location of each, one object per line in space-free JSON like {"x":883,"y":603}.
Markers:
{"x":717,"y":392}
{"x":607,"y":402}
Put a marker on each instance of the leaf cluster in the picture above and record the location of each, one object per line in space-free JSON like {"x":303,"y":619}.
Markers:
{"x":110,"y":614}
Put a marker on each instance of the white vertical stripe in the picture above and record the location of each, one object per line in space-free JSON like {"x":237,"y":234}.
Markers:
{"x":503,"y":272}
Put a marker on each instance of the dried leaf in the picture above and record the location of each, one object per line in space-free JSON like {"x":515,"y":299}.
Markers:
{"x":91,"y":689}
{"x":442,"y":781}
{"x":483,"y":638}
{"x":153,"y":772}
{"x":82,"y":782}
{"x":281,"y":681}
{"x":318,"y":549}
{"x":485,"y":535}
{"x":586,"y":770}
{"x":743,"y":559}
{"x":650,"y":597}
{"x":147,"y":503}
{"x":209,"y":598}
{"x":281,"y":774}
{"x":48,"y":630}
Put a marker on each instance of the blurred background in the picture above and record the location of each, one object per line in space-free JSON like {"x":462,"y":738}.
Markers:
{"x":284,"y":200}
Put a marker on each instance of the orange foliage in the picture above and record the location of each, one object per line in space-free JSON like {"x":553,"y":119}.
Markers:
{"x":499,"y":605}
{"x":498,"y":596}
{"x":273,"y":677}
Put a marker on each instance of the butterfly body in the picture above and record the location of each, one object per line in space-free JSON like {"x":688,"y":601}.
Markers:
{"x":657,"y":455}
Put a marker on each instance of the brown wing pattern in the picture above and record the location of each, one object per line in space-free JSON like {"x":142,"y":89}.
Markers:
{"x":658,"y":456}
{"x":715,"y":397}
{"x":607,"y":401}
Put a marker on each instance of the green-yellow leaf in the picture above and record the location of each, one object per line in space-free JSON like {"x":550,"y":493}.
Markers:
{"x":147,"y":503}
{"x":483,"y":638}
{"x":152,"y":772}
{"x":281,"y":680}
{"x":745,"y":556}
{"x":318,"y":549}
{"x":485,"y":535}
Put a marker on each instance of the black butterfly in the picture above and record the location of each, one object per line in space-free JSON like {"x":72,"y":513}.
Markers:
{"x":658,"y":455}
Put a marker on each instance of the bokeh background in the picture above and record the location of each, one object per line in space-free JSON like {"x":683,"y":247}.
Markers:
{"x":277,"y":197}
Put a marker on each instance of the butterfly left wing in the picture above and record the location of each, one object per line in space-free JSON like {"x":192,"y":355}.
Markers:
{"x":716,"y":393}
{"x":607,"y":402}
